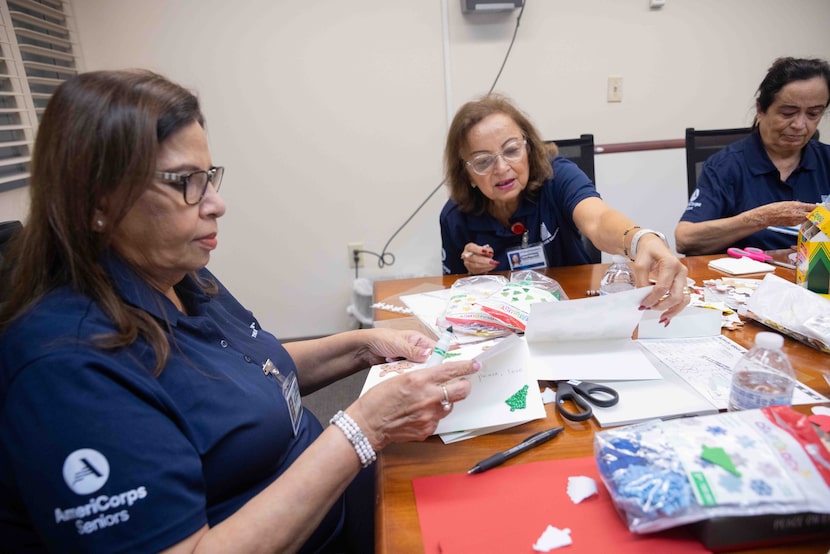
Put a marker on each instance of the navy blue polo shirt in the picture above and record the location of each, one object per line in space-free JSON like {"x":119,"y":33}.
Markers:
{"x":98,"y":455}
{"x":548,"y":219}
{"x":741,"y":177}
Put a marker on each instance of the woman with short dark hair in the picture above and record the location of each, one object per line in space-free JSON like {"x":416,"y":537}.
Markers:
{"x":773,"y":178}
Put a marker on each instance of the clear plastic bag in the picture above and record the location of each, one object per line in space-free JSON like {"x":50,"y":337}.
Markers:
{"x":792,"y":310}
{"x":662,"y":474}
{"x":491,"y":305}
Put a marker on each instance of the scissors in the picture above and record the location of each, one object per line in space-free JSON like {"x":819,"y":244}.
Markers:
{"x":756,"y":254}
{"x":580,"y":393}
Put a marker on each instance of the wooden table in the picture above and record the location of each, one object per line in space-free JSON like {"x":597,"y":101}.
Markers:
{"x":397,"y":523}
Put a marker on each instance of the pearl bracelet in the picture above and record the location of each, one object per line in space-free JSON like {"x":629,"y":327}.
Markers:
{"x":638,"y":235}
{"x":359,"y":441}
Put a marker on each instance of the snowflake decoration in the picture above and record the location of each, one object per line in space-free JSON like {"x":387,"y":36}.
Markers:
{"x":769,"y":470}
{"x":730,"y":482}
{"x":746,"y":441}
{"x":762,"y":488}
{"x":739,"y":460}
{"x":716,"y":430}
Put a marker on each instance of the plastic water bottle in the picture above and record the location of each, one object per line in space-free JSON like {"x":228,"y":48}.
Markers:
{"x":763,"y":376}
{"x":618,"y":277}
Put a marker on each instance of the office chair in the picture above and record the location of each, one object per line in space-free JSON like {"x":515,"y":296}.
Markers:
{"x":581,"y":152}
{"x":8,"y":229}
{"x":702,"y":144}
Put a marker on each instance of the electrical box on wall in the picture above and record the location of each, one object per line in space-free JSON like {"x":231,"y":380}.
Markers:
{"x":490,"y":6}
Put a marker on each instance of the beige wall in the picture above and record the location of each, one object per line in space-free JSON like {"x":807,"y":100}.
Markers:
{"x":330,"y":115}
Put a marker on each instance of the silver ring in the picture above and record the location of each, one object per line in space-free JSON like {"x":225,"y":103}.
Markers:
{"x":445,"y":402}
{"x":466,"y":255}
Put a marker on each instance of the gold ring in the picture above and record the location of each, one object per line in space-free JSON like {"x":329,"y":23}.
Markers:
{"x":445,"y":402}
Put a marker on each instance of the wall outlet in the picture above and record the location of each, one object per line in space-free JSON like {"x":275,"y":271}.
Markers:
{"x":355,"y":246}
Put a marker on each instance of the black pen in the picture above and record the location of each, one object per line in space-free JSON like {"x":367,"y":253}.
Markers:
{"x":525,"y":445}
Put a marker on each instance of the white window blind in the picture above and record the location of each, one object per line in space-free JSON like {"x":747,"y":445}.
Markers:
{"x":37,"y":53}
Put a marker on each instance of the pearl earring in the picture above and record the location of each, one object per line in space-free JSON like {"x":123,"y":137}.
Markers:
{"x":99,"y":223}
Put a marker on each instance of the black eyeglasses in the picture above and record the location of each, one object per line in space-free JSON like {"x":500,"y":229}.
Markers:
{"x":194,"y":185}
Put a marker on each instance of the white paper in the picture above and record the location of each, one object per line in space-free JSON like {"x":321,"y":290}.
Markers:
{"x":706,"y":364}
{"x":740,"y":266}
{"x":663,"y":398}
{"x":588,"y":338}
{"x":610,"y":316}
{"x":581,"y":487}
{"x":428,"y":307}
{"x":552,"y":538}
{"x":504,"y":375}
{"x":693,"y":321}
{"x":599,"y":360}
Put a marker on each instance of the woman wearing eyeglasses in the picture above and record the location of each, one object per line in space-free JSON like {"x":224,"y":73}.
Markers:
{"x":507,"y":196}
{"x":142,"y":408}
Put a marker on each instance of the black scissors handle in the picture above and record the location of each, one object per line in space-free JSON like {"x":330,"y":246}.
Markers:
{"x":599,"y":395}
{"x":580,"y":393}
{"x":566,"y":393}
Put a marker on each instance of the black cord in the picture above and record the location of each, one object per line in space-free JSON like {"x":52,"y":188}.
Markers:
{"x":384,"y":255}
{"x":509,"y":48}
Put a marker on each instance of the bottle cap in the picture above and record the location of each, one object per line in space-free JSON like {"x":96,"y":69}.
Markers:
{"x":771,"y":341}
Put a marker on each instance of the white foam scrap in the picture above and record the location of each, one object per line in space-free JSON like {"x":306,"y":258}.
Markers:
{"x":552,"y":538}
{"x":581,"y":487}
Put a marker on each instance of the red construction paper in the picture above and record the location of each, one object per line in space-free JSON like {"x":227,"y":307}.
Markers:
{"x":506,"y":509}
{"x":823,"y":421}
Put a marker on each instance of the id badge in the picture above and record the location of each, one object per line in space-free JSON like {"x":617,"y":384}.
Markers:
{"x":528,"y":257}
{"x":290,"y":392}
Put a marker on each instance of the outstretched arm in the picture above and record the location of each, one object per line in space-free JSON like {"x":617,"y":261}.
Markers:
{"x":612,"y":232}
{"x":716,"y":235}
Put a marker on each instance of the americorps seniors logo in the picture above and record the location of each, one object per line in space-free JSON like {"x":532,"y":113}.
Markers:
{"x":85,"y":471}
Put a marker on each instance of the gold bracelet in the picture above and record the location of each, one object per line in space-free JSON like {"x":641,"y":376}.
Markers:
{"x":625,"y":234}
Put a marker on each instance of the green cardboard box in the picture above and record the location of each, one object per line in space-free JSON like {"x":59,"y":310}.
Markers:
{"x":813,"y":252}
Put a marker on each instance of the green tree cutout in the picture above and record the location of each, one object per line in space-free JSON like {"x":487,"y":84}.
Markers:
{"x":518,"y":401}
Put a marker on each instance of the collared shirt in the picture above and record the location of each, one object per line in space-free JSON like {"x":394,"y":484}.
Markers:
{"x":548,"y":219}
{"x":98,"y":455}
{"x":741,"y":177}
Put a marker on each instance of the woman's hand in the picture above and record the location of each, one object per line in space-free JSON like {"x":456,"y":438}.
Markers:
{"x":478,"y":259}
{"x":785,"y":214}
{"x":671,"y":292}
{"x":408,"y":407}
{"x":385,"y":345}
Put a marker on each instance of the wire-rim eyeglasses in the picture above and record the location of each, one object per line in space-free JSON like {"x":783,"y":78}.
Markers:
{"x":483,"y":164}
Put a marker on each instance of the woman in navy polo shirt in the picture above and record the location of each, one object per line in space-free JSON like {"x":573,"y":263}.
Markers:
{"x":141,"y":406}
{"x":507,"y":197}
{"x":771,"y":179}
